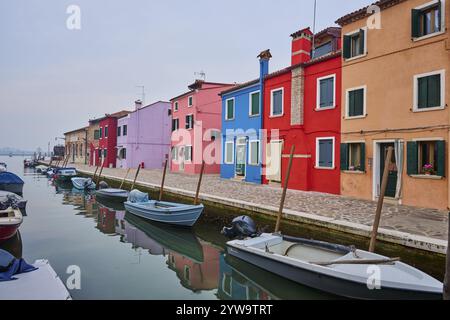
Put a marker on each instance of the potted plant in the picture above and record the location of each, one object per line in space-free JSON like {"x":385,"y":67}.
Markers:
{"x":428,"y":169}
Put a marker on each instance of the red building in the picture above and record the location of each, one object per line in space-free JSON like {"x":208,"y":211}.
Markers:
{"x":106,"y":152}
{"x":303,"y":101}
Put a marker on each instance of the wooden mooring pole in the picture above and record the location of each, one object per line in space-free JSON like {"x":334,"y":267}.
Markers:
{"x":384,"y":182}
{"x":101,"y":170}
{"x":135,"y":177}
{"x":447,"y":266}
{"x":197,"y":193}
{"x":95,"y":173}
{"x":124,"y":178}
{"x":161,"y":190}
{"x":283,"y":196}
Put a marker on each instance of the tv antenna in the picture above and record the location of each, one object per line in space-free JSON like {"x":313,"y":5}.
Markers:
{"x":142,"y":94}
{"x":201,"y":74}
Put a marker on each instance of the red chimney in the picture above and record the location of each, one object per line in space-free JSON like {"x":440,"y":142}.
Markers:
{"x":301,"y":46}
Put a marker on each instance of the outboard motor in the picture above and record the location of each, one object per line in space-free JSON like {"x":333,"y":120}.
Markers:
{"x":241,"y":227}
{"x":103,"y":185}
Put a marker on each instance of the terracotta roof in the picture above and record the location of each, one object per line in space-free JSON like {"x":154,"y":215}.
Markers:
{"x":76,"y":130}
{"x":299,"y":32}
{"x":334,"y":31}
{"x":240,"y":86}
{"x":362,"y":13}
{"x":198,"y":84}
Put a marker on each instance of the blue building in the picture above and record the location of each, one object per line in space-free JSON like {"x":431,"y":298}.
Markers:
{"x":242,"y":114}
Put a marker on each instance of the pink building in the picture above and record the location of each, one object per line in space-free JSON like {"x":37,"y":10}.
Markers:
{"x":196,"y":125}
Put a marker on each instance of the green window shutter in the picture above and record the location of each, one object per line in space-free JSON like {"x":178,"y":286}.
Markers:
{"x":422,"y":99}
{"x":255,"y":104}
{"x":412,"y":158}
{"x":441,"y":158}
{"x":347,"y":47}
{"x":344,"y":156}
{"x":440,"y":14}
{"x":351,"y":103}
{"x":415,"y":28}
{"x":362,"y":34}
{"x":230,"y":109}
{"x":363,"y":157}
{"x":434,"y":91}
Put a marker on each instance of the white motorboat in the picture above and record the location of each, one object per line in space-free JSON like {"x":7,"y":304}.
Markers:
{"x":83,"y":183}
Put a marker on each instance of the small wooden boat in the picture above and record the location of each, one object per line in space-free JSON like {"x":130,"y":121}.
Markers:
{"x":83,"y":183}
{"x":10,"y":221}
{"x":11,"y":182}
{"x":111,"y":194}
{"x":166,"y":212}
{"x":65,"y":174}
{"x":336,"y":269}
{"x":9,"y":198}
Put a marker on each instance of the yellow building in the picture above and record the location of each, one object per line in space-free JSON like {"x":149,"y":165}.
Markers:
{"x":76,"y":146}
{"x":395,"y":93}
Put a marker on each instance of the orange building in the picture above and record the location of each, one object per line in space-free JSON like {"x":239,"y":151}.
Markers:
{"x":395,"y":93}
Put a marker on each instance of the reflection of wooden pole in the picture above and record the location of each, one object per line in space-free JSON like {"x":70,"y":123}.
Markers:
{"x":135,"y":177}
{"x":283,"y":196}
{"x":199,"y":183}
{"x":163,"y":180}
{"x":384,"y":183}
{"x":447,"y":267}
{"x":124,"y":178}
{"x":101,"y":170}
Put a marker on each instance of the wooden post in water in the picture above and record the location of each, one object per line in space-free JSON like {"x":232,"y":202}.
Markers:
{"x":161,"y":190}
{"x":197,"y":193}
{"x":124,"y":178}
{"x":384,"y":183}
{"x":447,"y":266}
{"x":135,"y":177}
{"x":101,"y":170}
{"x":283,"y":196}
{"x":95,"y":173}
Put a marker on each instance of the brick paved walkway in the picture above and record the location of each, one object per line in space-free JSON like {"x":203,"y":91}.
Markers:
{"x":418,"y":221}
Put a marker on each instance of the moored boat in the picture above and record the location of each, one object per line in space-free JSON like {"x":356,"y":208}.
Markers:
{"x":10,"y":221}
{"x":65,"y":174}
{"x":11,"y":199}
{"x":11,"y":182}
{"x":111,"y":194}
{"x":336,"y":269}
{"x":161,"y":211}
{"x":41,"y":169}
{"x":83,"y":183}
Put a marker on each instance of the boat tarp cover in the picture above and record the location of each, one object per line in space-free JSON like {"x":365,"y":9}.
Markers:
{"x":137,"y":196}
{"x":10,"y":178}
{"x":9,"y":266}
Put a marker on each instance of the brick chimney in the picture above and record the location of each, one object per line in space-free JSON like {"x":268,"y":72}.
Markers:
{"x":301,"y":46}
{"x":138,"y":104}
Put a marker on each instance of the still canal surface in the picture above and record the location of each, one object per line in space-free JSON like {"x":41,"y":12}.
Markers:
{"x":124,"y":257}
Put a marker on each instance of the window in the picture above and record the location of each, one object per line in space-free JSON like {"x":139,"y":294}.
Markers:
{"x":188,"y":153}
{"x":125,"y":129}
{"x":96,"y":134}
{"x":106,"y":132}
{"x":325,"y":153}
{"x":326,"y":92}
{"x":187,"y":273}
{"x":100,"y":133}
{"x":355,"y":44}
{"x":429,"y":91}
{"x":427,"y":20}
{"x":254,"y":153}
{"x":175,"y":153}
{"x":190,"y":121}
{"x":426,"y":157}
{"x":322,"y":49}
{"x":190,"y":101}
{"x":229,"y":148}
{"x":105,"y":153}
{"x":229,"y":113}
{"x":356,"y":102}
{"x":123,"y":153}
{"x":276,"y":102}
{"x":254,"y":104}
{"x":353,"y":156}
{"x":119,"y":130}
{"x":175,"y":124}
{"x":175,"y":106}
{"x":215,"y":135}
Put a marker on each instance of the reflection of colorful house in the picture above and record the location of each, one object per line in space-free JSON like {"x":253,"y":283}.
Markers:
{"x":241,"y":124}
{"x":197,"y":275}
{"x":196,"y":125}
{"x":143,"y":136}
{"x":106,"y":220}
{"x":302,"y":108}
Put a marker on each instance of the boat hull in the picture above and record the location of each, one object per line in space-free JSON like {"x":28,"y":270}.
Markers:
{"x":14,"y":188}
{"x":7,"y":232}
{"x":326,"y":283}
{"x":80,"y":184}
{"x":185,"y":216}
{"x":112,"y":196}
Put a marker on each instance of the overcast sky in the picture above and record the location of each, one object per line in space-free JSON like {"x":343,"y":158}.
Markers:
{"x":53,"y":79}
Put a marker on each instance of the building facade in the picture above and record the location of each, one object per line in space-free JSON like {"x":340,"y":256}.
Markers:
{"x":196,"y":126}
{"x":76,"y":146}
{"x":92,"y":140}
{"x":302,"y":109}
{"x":143,"y":136}
{"x":241,"y":128}
{"x":395,"y":94}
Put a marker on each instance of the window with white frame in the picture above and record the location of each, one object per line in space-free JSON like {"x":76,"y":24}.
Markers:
{"x":189,"y":121}
{"x":254,"y":152}
{"x":175,"y":124}
{"x":175,"y":106}
{"x":355,"y":44}
{"x":276,"y":102}
{"x":175,"y":153}
{"x":356,"y":102}
{"x":254,"y":108}
{"x":229,"y":109}
{"x":190,"y":101}
{"x":429,"y":91}
{"x":326,"y":92}
{"x":325,"y":153}
{"x":428,"y":19}
{"x":229,"y":152}
{"x":188,"y":153}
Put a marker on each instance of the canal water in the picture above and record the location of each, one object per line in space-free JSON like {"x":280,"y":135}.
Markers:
{"x":121,"y":256}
